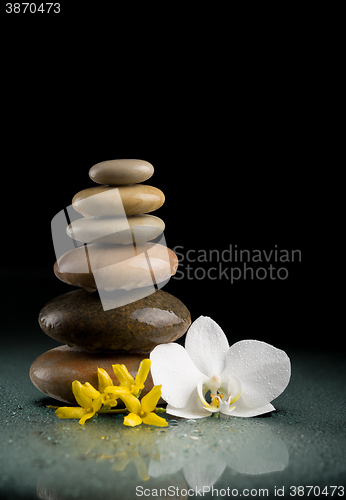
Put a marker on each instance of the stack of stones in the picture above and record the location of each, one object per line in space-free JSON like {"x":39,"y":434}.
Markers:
{"x":120,"y":313}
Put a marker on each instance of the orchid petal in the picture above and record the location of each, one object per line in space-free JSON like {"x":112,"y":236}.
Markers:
{"x":207,"y":345}
{"x":173,"y":368}
{"x":150,"y":400}
{"x":165,"y":465}
{"x":264,"y":371}
{"x":259,"y":451}
{"x":241,"y":410}
{"x":193,"y":408}
{"x":227,"y":411}
{"x":201,"y":473}
{"x":201,"y":389}
{"x":153,"y":419}
{"x":234,"y":388}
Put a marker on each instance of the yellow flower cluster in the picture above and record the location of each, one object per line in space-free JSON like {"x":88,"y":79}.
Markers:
{"x":92,"y":401}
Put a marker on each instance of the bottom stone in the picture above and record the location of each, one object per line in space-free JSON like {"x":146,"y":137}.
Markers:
{"x":54,"y":371}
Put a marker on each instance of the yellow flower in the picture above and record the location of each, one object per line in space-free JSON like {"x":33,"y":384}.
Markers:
{"x":136,"y":385}
{"x":104,"y":382}
{"x":143,"y":411}
{"x":104,"y":379}
{"x":89,"y":399}
{"x":110,"y":391}
{"x":132,"y":455}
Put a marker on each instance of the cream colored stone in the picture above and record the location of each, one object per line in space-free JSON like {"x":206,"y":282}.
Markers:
{"x":116,"y":267}
{"x":121,"y":172}
{"x":121,"y":201}
{"x":116,"y":230}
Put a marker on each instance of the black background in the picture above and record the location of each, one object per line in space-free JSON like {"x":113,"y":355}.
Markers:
{"x":226,"y":127}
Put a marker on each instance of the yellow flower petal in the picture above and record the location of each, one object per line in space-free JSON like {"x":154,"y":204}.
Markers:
{"x":109,"y":401}
{"x":104,"y":379}
{"x":90,"y":391}
{"x":70,"y":412}
{"x":122,"y":464}
{"x":123,"y":375}
{"x":142,"y":470}
{"x":132,"y":420}
{"x":97,"y":403}
{"x":113,"y":402}
{"x":117,"y":390}
{"x":142,"y":373}
{"x":81,"y":398}
{"x":151,"y":399}
{"x":131,"y":402}
{"x":86,"y":416}
{"x":153,"y":419}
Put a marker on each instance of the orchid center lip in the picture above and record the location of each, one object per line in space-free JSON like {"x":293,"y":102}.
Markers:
{"x":222,"y":395}
{"x":214,"y":383}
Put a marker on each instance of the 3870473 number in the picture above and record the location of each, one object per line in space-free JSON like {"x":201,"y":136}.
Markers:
{"x":316,"y":491}
{"x":32,"y":8}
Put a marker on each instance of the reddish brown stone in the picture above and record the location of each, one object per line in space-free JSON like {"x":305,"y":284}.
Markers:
{"x":54,"y":371}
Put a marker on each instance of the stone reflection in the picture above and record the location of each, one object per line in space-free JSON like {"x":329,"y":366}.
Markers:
{"x":110,"y":459}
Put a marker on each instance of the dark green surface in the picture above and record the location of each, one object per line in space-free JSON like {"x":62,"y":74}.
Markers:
{"x":44,"y":457}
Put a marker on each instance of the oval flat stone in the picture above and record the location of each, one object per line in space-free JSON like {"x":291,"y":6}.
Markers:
{"x":116,"y":267}
{"x":54,"y":371}
{"x":121,"y":172}
{"x":118,"y":201}
{"x":116,"y":230}
{"x":78,"y":319}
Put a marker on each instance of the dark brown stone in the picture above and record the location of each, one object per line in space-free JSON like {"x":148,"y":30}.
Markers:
{"x":78,"y":319}
{"x":54,"y":371}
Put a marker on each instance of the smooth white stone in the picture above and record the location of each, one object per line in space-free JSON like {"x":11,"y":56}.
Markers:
{"x":110,"y":201}
{"x":121,"y":172}
{"x":118,"y":267}
{"x":116,"y":230}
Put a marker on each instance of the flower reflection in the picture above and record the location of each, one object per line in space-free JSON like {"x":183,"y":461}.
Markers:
{"x":251,"y":448}
{"x":187,"y":453}
{"x":133,"y":449}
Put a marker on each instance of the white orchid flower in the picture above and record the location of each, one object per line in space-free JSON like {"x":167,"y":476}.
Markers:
{"x":209,"y":376}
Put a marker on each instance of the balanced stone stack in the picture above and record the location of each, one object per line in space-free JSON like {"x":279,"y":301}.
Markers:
{"x":121,"y":313}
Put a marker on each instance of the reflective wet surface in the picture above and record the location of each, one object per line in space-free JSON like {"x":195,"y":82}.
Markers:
{"x":302,"y":443}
